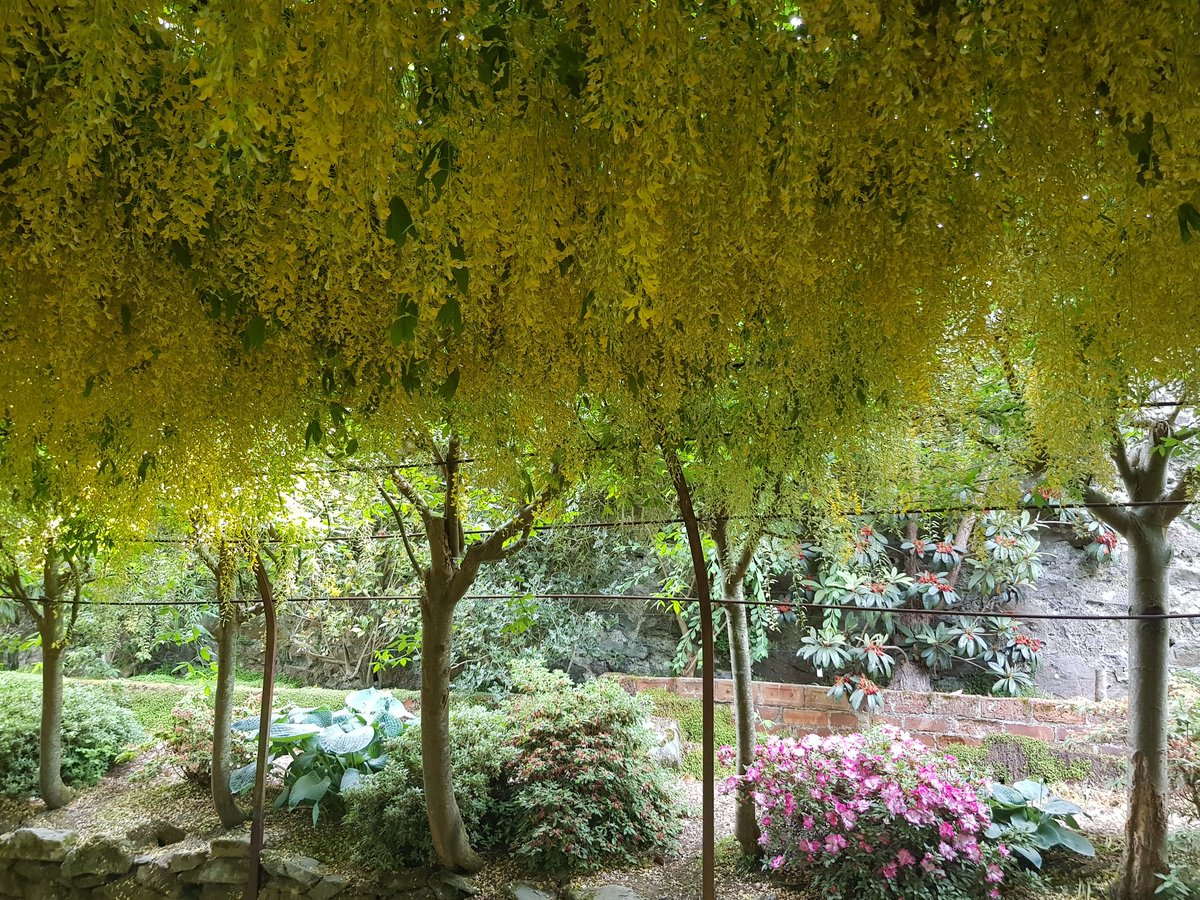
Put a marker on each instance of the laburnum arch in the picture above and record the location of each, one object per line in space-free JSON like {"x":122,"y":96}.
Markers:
{"x":231,"y":229}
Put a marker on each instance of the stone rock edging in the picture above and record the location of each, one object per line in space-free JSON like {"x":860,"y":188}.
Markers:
{"x":49,"y":864}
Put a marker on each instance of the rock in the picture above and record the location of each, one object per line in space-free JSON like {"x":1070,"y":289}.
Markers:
{"x":238,"y":846}
{"x":129,"y":888}
{"x":156,"y":833}
{"x":182,"y":860}
{"x":525,"y":892}
{"x":281,"y":889}
{"x":462,"y":884}
{"x":11,"y":884}
{"x":161,"y":879}
{"x":37,"y":844}
{"x":102,"y":856}
{"x":303,"y":869}
{"x":220,"y":892}
{"x":330,"y":886}
{"x":615,"y":892}
{"x":219,"y":870}
{"x":35,"y":871}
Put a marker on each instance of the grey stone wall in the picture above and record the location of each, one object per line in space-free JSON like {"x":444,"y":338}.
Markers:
{"x":1076,"y":649}
{"x":47,"y":864}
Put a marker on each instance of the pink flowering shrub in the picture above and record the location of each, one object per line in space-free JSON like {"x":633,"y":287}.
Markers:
{"x":875,"y":816}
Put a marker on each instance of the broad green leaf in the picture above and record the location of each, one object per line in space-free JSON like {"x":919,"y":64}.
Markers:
{"x":287,"y":732}
{"x":255,"y":334}
{"x":366,"y":700}
{"x":334,"y":740}
{"x":399,"y":222}
{"x":242,"y":779}
{"x":351,"y":778}
{"x":309,"y":788}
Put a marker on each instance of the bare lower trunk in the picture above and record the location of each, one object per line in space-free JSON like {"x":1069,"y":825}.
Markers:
{"x":50,"y":784}
{"x":910,"y":676}
{"x":745,"y":827}
{"x":1146,"y":829}
{"x":450,"y":841}
{"x":228,"y":811}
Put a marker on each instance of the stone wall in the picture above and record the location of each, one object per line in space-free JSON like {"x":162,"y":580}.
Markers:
{"x":938,"y":719}
{"x":47,"y":864}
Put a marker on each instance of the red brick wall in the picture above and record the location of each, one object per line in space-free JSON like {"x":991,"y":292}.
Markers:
{"x":938,"y":719}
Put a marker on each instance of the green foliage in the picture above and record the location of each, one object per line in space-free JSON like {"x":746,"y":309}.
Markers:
{"x":330,"y":750}
{"x":585,"y":794}
{"x":1182,"y":882}
{"x":1031,"y":820}
{"x":387,"y":810}
{"x":190,"y":738}
{"x":1011,"y":757}
{"x":1184,"y":740}
{"x":88,"y":662}
{"x":96,"y":729}
{"x":857,"y":647}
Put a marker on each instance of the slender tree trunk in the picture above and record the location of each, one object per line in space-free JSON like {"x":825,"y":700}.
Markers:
{"x":1149,"y":645}
{"x":745,"y":826}
{"x":450,"y":841}
{"x":230,"y":814}
{"x":50,"y":784}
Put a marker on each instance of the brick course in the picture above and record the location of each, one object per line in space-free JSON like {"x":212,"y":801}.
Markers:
{"x":938,"y":719}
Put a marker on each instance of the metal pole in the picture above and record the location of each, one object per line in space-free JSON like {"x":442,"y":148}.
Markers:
{"x":264,"y":730}
{"x":704,"y":594}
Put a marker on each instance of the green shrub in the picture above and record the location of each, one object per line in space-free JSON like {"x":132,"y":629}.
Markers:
{"x":95,"y":731}
{"x":387,"y":810}
{"x":190,"y":739}
{"x":584,"y":793}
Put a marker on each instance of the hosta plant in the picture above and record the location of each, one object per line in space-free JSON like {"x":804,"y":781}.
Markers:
{"x":323,"y":752}
{"x":1031,"y":821}
{"x":874,"y":816}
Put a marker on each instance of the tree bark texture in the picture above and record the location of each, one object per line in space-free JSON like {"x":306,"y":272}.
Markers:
{"x":745,"y":825}
{"x":230,"y":814}
{"x":1149,"y":647}
{"x":450,"y":840}
{"x":703,"y":590}
{"x":50,"y":784}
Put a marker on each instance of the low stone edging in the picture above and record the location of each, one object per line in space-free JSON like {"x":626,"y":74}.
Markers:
{"x":937,"y":719}
{"x":49,"y":864}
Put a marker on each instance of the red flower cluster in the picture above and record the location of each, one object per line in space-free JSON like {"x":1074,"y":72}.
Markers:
{"x":1107,"y":539}
{"x":1024,"y":640}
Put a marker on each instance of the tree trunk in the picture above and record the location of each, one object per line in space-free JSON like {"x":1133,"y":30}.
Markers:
{"x":450,"y":841}
{"x":1149,"y":645}
{"x":745,"y":827}
{"x":50,"y":784}
{"x":910,"y":675}
{"x":230,"y":814}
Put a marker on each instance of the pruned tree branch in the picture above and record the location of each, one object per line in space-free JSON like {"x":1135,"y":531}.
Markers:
{"x":749,"y":548}
{"x":1120,"y":457}
{"x":1180,"y":495}
{"x":399,"y":517}
{"x":1100,"y":506}
{"x":413,"y":496}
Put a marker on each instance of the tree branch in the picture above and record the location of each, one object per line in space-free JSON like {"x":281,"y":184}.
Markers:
{"x":399,"y":517}
{"x":1120,"y":456}
{"x":1103,"y":509}
{"x":413,"y":496}
{"x":1180,"y":495}
{"x":749,"y":547}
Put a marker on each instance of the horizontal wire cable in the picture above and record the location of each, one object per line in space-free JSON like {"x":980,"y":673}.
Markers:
{"x":643,"y":598}
{"x":771,"y":517}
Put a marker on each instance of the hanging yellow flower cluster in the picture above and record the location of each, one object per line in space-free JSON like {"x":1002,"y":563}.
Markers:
{"x":226,"y":228}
